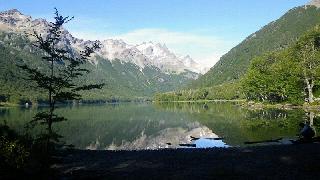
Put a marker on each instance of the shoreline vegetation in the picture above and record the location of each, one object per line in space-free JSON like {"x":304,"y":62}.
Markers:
{"x":43,"y":103}
{"x":241,"y":102}
{"x":268,"y":82}
{"x":202,"y":101}
{"x":254,"y":105}
{"x":285,"y":106}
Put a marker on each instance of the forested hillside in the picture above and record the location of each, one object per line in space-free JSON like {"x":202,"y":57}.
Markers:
{"x":290,"y":75}
{"x":278,"y":64}
{"x":129,"y":71}
{"x":123,"y":80}
{"x":276,"y":35}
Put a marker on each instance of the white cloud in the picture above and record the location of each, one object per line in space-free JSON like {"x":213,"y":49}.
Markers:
{"x":211,"y":59}
{"x":169,"y":37}
{"x":205,"y":49}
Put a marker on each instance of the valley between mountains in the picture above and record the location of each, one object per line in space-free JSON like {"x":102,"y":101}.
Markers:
{"x":129,"y":72}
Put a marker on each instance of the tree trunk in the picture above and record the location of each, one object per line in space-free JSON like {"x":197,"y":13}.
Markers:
{"x":308,"y":68}
{"x":309,"y":88}
{"x":311,"y":117}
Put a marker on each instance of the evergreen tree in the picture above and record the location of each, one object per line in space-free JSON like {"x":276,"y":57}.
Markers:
{"x":58,"y":80}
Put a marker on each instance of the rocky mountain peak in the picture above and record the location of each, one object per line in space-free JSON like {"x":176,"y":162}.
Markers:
{"x":188,"y":60}
{"x":154,"y":49}
{"x":314,"y":3}
{"x":11,"y":12}
{"x":15,"y":19}
{"x":145,"y":54}
{"x":14,"y":14}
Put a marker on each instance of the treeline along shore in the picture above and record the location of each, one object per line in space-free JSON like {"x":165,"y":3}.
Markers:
{"x":290,"y":75}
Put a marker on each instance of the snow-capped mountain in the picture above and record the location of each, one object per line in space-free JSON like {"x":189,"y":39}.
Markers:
{"x":314,"y":3}
{"x":166,"y":60}
{"x":194,"y":66}
{"x":145,"y":54}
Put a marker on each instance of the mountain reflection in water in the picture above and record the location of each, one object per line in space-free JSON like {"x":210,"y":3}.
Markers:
{"x":135,"y":126}
{"x":167,"y":138}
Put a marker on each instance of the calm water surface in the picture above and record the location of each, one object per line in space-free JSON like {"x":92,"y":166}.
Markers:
{"x":171,"y":125}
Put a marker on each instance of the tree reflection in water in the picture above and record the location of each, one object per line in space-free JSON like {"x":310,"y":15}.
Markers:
{"x":151,"y":126}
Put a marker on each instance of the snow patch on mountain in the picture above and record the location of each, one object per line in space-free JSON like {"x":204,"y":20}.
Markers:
{"x":142,"y":55}
{"x":314,"y":3}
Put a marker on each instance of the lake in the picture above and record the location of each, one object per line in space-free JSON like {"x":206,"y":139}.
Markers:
{"x":130,"y":126}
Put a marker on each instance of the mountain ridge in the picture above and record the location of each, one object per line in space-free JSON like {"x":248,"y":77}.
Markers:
{"x":127,"y":72}
{"x":276,"y":35}
{"x":111,"y":49}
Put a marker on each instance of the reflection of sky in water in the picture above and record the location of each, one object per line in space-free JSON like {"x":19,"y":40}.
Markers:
{"x":209,"y":143}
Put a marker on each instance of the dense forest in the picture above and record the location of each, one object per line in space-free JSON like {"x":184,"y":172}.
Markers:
{"x":228,"y":91}
{"x":267,"y":66}
{"x":290,"y":75}
{"x":277,"y":35}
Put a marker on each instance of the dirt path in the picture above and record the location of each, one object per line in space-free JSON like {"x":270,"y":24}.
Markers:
{"x":269,"y":162}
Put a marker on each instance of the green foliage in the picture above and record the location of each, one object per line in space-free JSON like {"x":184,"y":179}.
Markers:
{"x":14,"y":88}
{"x":13,"y":153}
{"x":228,"y":91}
{"x":288,"y":75}
{"x":62,"y":68}
{"x":275,"y":36}
{"x":270,"y":79}
{"x":307,"y":52}
{"x":56,"y":78}
{"x":284,"y":76}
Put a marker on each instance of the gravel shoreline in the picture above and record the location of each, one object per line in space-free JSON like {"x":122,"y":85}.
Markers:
{"x":299,"y":161}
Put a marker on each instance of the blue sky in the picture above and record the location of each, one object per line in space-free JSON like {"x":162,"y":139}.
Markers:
{"x":204,"y":29}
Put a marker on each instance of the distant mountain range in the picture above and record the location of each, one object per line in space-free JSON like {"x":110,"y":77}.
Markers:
{"x":133,"y":71}
{"x":276,"y":35}
{"x":145,"y":54}
{"x":128,"y":70}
